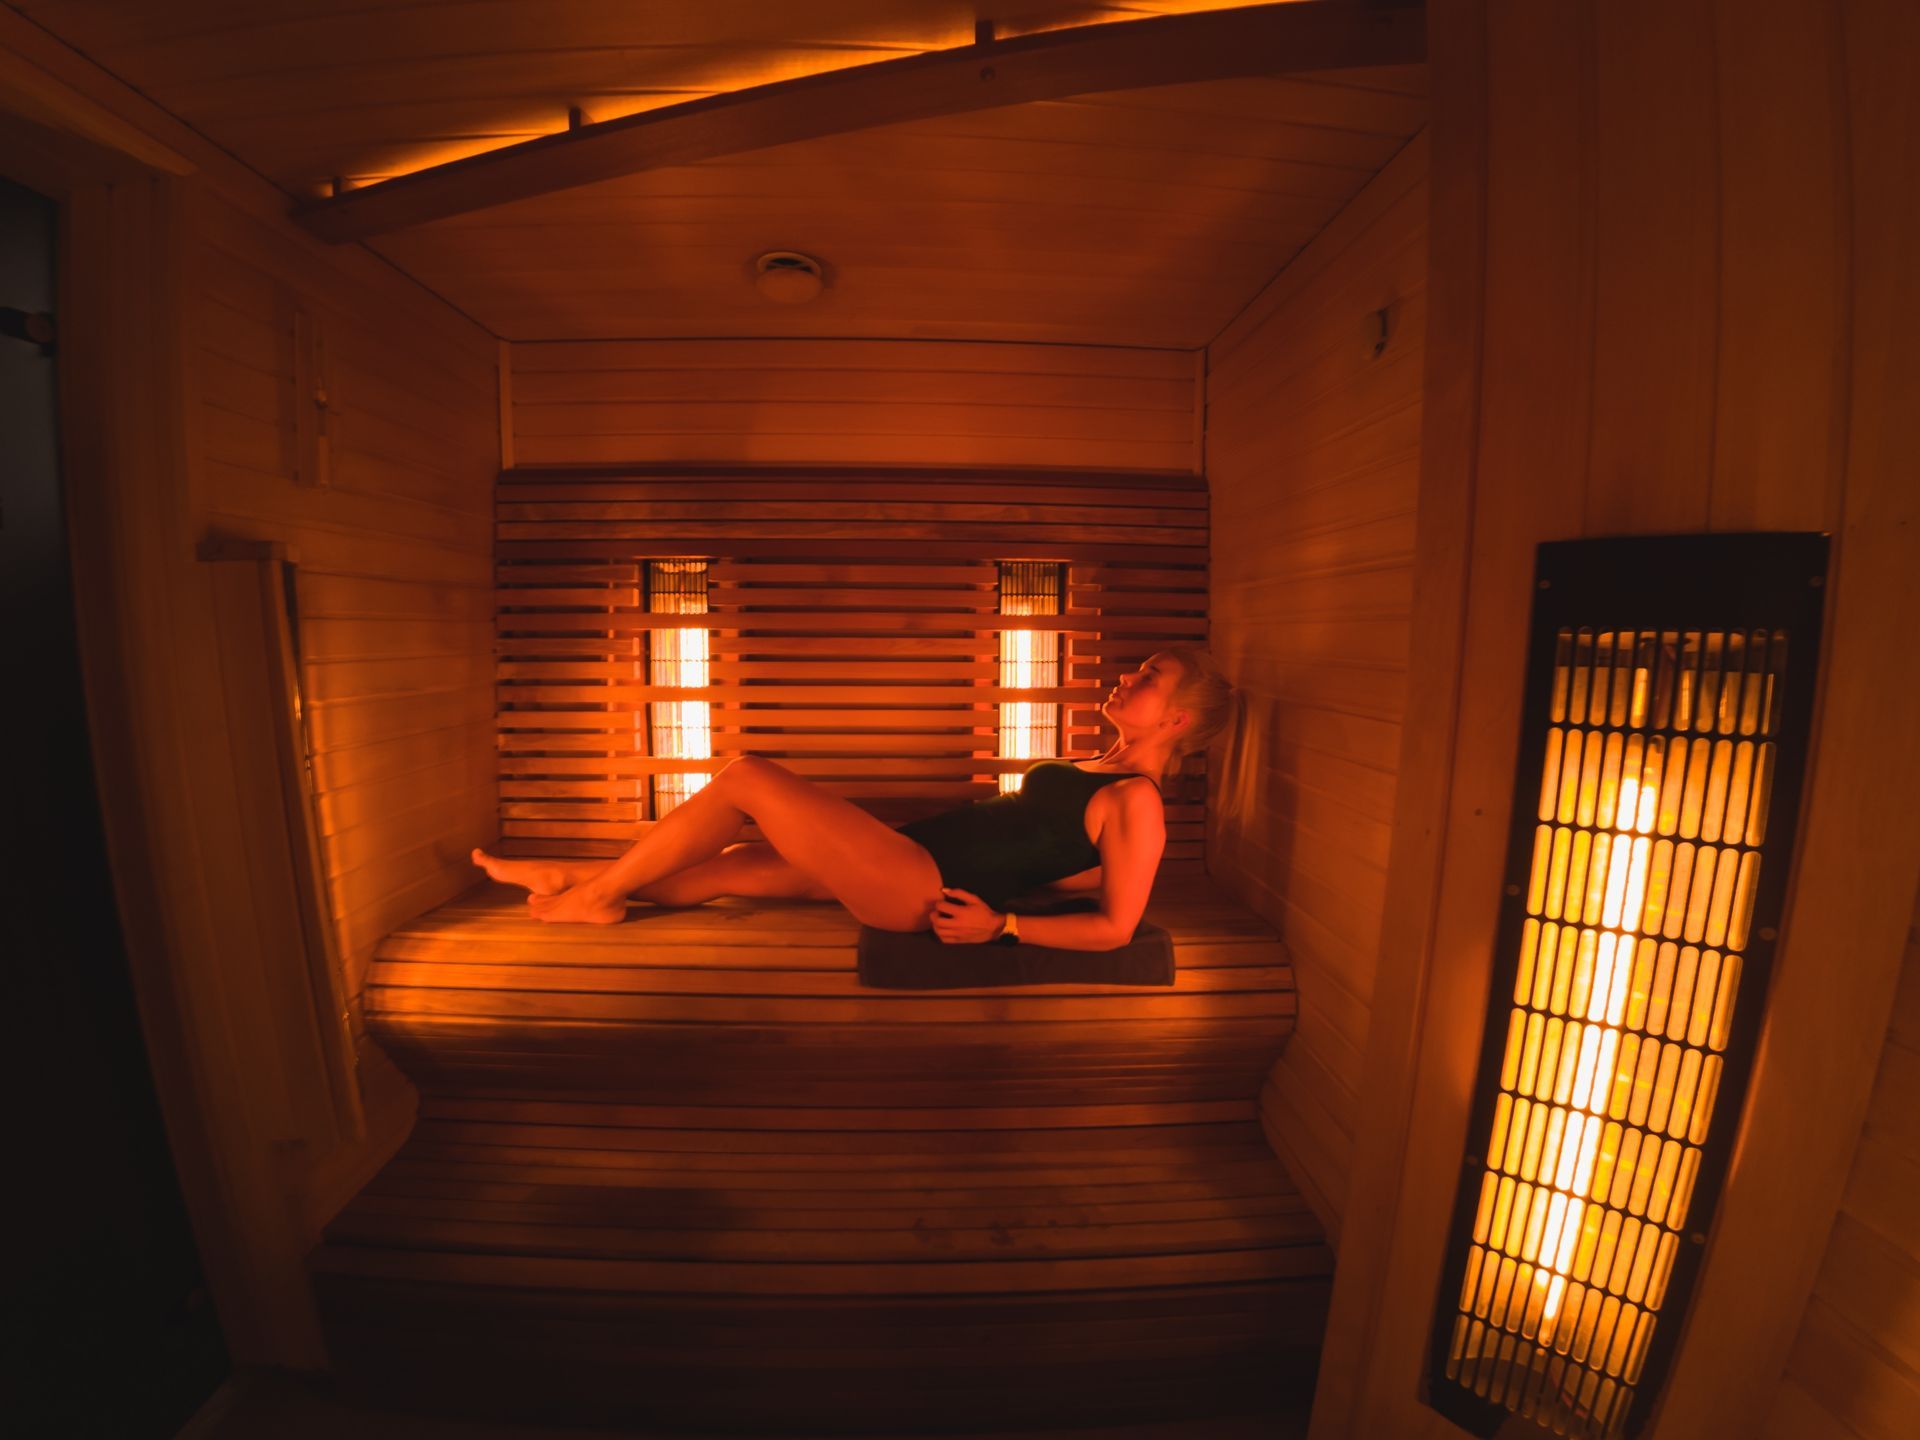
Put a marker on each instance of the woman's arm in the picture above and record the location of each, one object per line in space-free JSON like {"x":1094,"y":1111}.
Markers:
{"x":1131,"y":843}
{"x":1073,"y":884}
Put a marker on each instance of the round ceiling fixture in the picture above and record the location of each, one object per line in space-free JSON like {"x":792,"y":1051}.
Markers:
{"x":786,"y":277}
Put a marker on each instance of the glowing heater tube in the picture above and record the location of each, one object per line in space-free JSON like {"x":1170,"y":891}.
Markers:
{"x":682,"y":729}
{"x":1029,"y":659}
{"x":1667,"y":702}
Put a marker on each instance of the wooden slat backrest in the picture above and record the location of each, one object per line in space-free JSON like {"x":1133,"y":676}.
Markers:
{"x":854,"y":628}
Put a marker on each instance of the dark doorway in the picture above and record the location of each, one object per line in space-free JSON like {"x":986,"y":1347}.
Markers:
{"x":111,"y":1330}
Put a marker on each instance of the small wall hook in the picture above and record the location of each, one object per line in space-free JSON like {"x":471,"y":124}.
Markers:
{"x":1377,"y":332}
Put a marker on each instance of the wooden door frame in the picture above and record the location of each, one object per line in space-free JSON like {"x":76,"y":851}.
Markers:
{"x":121,"y":381}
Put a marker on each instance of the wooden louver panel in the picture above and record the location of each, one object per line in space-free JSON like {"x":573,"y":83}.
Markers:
{"x":854,"y":630}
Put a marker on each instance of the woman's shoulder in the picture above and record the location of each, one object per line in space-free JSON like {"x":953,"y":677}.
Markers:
{"x":1124,"y":792}
{"x":1121,"y":776}
{"x":1140,"y":804}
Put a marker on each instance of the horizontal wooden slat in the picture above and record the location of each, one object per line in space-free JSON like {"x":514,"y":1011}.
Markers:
{"x":393,"y":593}
{"x":695,"y":1118}
{"x":964,"y":1277}
{"x":578,"y":358}
{"x":703,"y":1107}
{"x":1313,"y":460}
{"x":825,"y":504}
{"x":720,"y":534}
{"x":905,"y":769}
{"x":480,"y":966}
{"x":741,"y":627}
{"x":636,"y":382}
{"x":862,"y":635}
{"x":677,"y":545}
{"x":865,"y":404}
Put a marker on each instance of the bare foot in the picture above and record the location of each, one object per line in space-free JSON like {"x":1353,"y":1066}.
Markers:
{"x":577,"y":906}
{"x":538,"y":876}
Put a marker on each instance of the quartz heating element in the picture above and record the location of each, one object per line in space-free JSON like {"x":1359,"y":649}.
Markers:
{"x":1029,"y":659}
{"x":678,"y":656}
{"x":1621,"y":995}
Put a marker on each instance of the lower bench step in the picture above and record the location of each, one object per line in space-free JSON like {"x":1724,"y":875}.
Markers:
{"x":897,"y":1271}
{"x":884,"y":1368}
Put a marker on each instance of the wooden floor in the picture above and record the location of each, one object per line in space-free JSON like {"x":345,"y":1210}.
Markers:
{"x":686,"y":1173}
{"x":262,"y":1404}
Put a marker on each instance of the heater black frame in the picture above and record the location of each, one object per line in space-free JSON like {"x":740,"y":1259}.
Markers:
{"x":1059,"y":571}
{"x":1703,"y":582}
{"x":649,"y":587}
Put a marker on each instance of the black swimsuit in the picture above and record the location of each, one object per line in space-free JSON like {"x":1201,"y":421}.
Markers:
{"x":1005,"y":845}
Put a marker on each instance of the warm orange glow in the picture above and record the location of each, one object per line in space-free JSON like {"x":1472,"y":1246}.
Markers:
{"x":1029,"y":659}
{"x":682,"y":729}
{"x":674,"y":75}
{"x":1652,"y":795}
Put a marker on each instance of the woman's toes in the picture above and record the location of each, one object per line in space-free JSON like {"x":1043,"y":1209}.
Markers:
{"x":497,"y":869}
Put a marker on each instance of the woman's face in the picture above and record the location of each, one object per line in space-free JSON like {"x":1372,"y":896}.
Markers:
{"x":1142,"y":699}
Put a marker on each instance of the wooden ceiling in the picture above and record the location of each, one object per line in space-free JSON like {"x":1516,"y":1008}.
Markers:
{"x":1140,"y":217}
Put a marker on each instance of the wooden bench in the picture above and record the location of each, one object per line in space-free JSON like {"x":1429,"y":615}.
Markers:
{"x":742,"y":1002}
{"x":685,"y":1171}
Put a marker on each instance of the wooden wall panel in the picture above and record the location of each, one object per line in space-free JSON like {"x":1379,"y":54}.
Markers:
{"x":853,"y":402}
{"x":177,"y":287}
{"x":438,"y":83}
{"x":1690,"y":316}
{"x":394,"y":551}
{"x":1312,"y":452}
{"x":990,"y":226}
{"x":816,"y":468}
{"x":998,"y":224}
{"x":854,"y":630}
{"x":1855,"y":1365}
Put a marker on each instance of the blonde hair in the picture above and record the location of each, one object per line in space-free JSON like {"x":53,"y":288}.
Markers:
{"x":1217,"y":707}
{"x":1213,"y":705}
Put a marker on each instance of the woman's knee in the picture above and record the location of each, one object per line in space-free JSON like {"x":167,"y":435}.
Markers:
{"x":740,"y":776}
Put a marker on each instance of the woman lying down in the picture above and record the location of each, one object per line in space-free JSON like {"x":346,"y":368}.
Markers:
{"x":1097,"y":825}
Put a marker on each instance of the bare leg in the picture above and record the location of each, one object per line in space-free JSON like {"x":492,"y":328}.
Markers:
{"x":750,"y":868}
{"x":884,"y":878}
{"x":539,"y":876}
{"x":697,"y":829}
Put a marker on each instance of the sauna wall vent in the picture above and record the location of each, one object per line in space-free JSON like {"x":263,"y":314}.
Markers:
{"x":1668,"y":695}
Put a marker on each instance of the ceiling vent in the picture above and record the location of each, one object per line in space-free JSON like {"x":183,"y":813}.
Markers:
{"x":786,"y":277}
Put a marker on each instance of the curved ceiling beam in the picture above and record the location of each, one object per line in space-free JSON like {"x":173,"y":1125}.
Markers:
{"x":1120,"y":55}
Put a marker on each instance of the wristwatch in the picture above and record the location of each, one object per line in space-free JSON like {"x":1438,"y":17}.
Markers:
{"x":1010,"y":929}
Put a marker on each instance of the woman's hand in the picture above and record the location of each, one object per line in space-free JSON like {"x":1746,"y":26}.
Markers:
{"x":967,"y":920}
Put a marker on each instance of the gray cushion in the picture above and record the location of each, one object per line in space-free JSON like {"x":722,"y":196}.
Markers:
{"x":920,"y":960}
